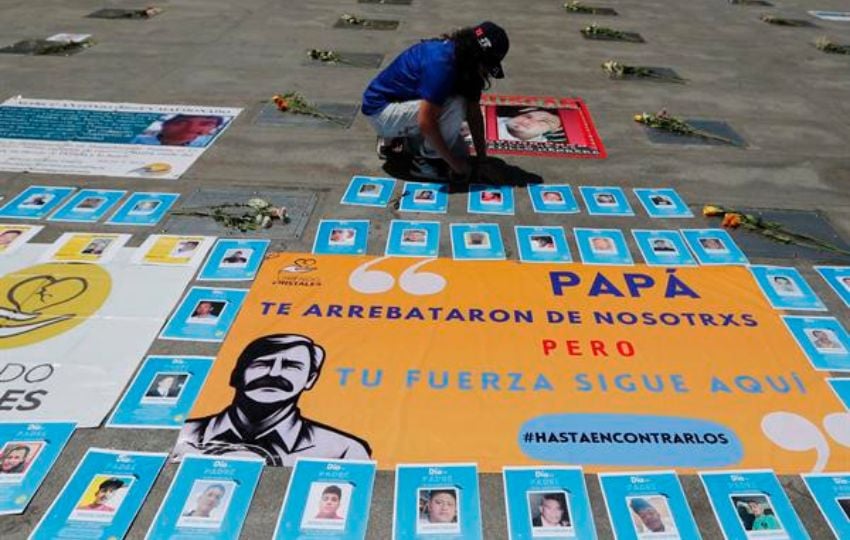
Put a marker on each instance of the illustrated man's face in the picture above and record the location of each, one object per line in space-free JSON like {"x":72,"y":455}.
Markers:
{"x":13,"y":459}
{"x":209,"y":500}
{"x":442,"y":508}
{"x":329,"y":504}
{"x":185,"y":129}
{"x":7,"y":237}
{"x":532,"y":124}
{"x":651,"y":518}
{"x":279,"y":376}
{"x":551,"y":511}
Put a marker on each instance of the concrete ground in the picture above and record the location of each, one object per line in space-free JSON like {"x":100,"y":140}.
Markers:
{"x":786,"y":98}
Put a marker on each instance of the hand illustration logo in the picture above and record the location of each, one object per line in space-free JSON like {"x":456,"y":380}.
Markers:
{"x":46,"y":300}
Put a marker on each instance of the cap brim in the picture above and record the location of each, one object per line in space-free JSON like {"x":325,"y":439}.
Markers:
{"x":497,"y":72}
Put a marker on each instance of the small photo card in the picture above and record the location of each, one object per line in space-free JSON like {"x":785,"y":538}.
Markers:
{"x":606,"y":201}
{"x":204,"y":314}
{"x":336,"y":237}
{"x":327,"y":499}
{"x":162,"y":393}
{"x":413,"y":239}
{"x":663,"y":248}
{"x":234,"y":260}
{"x":663,"y":203}
{"x":824,"y":341}
{"x":369,"y":191}
{"x":208,"y":498}
{"x":486,"y":199}
{"x":552,"y":199}
{"x":603,"y":246}
{"x":27,"y":453}
{"x":88,"y":205}
{"x":831,"y":493}
{"x":143,"y":209}
{"x":102,"y":496}
{"x":752,"y":504}
{"x":547,"y":502}
{"x":714,"y":247}
{"x":173,"y":250}
{"x":477,"y":241}
{"x":841,"y":387}
{"x":785,"y":288}
{"x":35,"y":202}
{"x":837,"y":277}
{"x":85,"y":247}
{"x":13,"y":237}
{"x":647,"y":505}
{"x":439,"y":500}
{"x":424,"y":197}
{"x":542,"y":244}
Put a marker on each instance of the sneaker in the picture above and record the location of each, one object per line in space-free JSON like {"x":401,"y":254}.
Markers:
{"x":428,"y":169}
{"x":389,"y":147}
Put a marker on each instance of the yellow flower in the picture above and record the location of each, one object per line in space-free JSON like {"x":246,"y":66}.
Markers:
{"x":709,"y":211}
{"x":732,"y":220}
{"x":640,"y":117}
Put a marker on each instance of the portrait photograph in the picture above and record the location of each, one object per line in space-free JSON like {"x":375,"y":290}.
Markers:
{"x":530,"y":124}
{"x":102,"y":498}
{"x":207,"y":504}
{"x":438,"y":510}
{"x":605,"y":199}
{"x":784,"y":286}
{"x":207,"y":312}
{"x":661,"y":200}
{"x":602,"y":245}
{"x":424,"y":195}
{"x":756,"y":514}
{"x":663,"y":246}
{"x":90,"y":204}
{"x":342,"y":237}
{"x":549,"y":512}
{"x":844,"y":504}
{"x":184,"y":248}
{"x":825,"y":341}
{"x":327,"y":506}
{"x":36,"y":200}
{"x":144,"y":207}
{"x":369,"y":190}
{"x":490,"y":196}
{"x":542,"y":242}
{"x":165,"y":388}
{"x":845,"y":282}
{"x":552,"y":197}
{"x":236,"y":258}
{"x":414,"y":237}
{"x":188,"y":130}
{"x":16,"y":458}
{"x":652,"y":517}
{"x":7,"y":236}
{"x":713,"y":245}
{"x":97,"y":246}
{"x":476,"y":240}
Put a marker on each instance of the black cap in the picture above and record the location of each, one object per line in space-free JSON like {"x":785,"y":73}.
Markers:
{"x":493,"y":40}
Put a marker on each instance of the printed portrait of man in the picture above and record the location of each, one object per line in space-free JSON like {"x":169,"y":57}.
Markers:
{"x":661,"y":200}
{"x":207,"y":501}
{"x":785,"y":286}
{"x":144,"y":207}
{"x":605,"y":199}
{"x":8,"y":236}
{"x":329,"y":503}
{"x":166,"y":385}
{"x":16,"y":458}
{"x":552,"y":197}
{"x":191,"y":130}
{"x":264,"y":419}
{"x":662,"y":245}
{"x":236,"y":257}
{"x":549,"y":510}
{"x":846,"y":282}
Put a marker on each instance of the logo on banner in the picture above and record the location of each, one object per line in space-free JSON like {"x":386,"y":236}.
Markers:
{"x":43,"y":301}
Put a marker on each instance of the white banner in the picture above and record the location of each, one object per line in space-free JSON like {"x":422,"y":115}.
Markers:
{"x":71,"y":335}
{"x":106,"y":139}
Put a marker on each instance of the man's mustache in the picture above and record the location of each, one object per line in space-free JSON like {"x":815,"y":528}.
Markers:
{"x":270,"y":382}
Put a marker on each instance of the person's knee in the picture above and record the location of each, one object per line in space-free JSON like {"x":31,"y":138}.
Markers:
{"x":455,"y":107}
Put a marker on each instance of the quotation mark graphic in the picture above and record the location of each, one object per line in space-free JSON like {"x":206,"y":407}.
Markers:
{"x":794,"y":433}
{"x":367,"y":281}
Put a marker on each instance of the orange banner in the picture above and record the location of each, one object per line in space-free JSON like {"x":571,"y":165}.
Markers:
{"x":505,"y":363}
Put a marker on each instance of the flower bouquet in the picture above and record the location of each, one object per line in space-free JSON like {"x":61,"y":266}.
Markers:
{"x":295,"y":103}
{"x":664,"y":122}
{"x":251,"y":216}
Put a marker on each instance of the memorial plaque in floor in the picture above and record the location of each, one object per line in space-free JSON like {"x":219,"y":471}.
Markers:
{"x":45,"y":47}
{"x":655,"y":74}
{"x":387,"y":2}
{"x":350,"y":59}
{"x":592,"y":10}
{"x":714,"y":127}
{"x":342,"y":115}
{"x":628,"y":37}
{"x":126,"y":14}
{"x":366,"y":24}
{"x":299,"y":204}
{"x":809,"y":222}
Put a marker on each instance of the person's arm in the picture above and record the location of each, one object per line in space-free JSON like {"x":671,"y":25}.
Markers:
{"x":476,"y":128}
{"x":429,"y":125}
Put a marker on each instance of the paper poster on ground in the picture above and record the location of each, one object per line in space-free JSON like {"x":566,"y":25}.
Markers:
{"x":71,"y":330}
{"x":106,"y":139}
